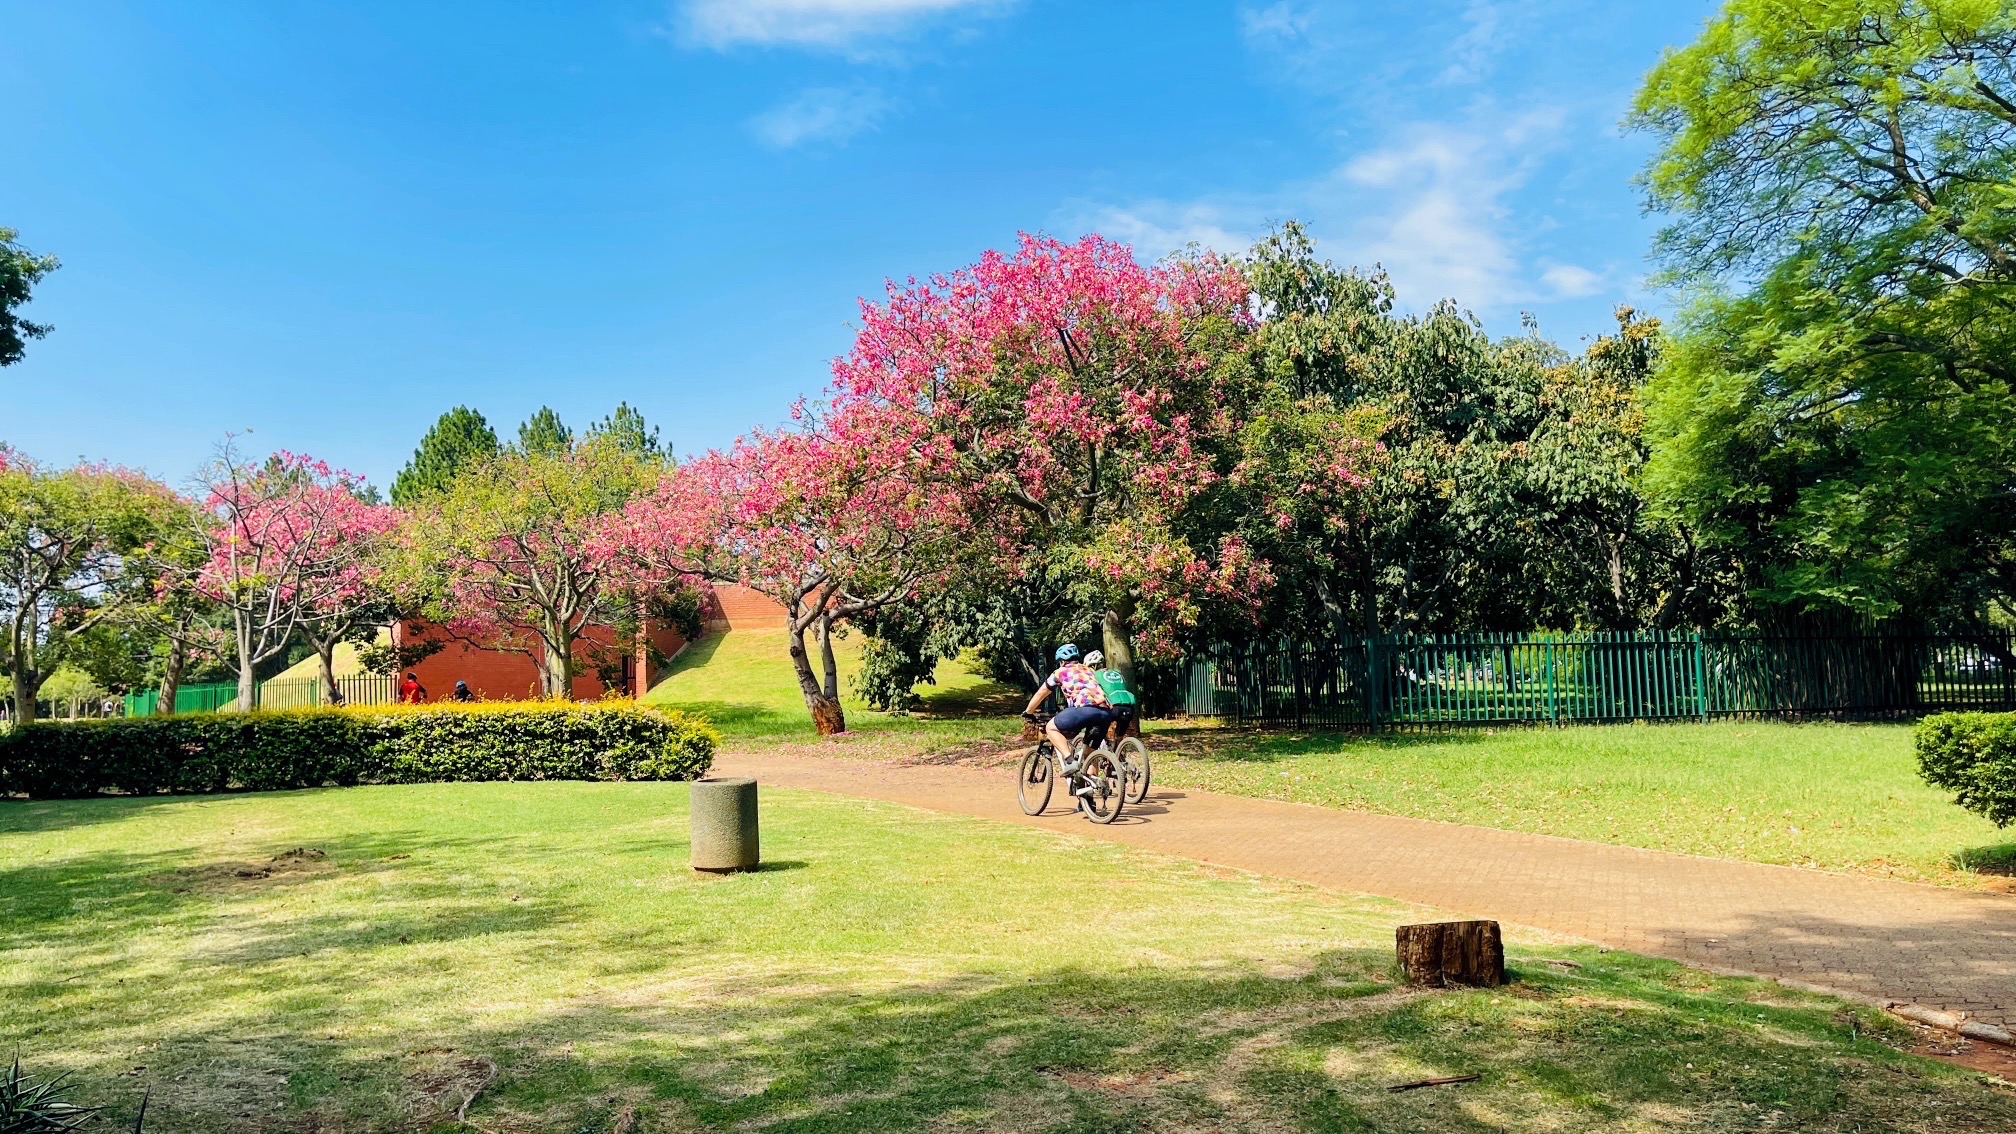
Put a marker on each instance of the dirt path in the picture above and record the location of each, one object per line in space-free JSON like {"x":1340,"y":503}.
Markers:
{"x":1872,"y":939}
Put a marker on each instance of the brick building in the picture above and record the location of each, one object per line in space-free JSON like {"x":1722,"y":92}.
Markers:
{"x":504,"y":675}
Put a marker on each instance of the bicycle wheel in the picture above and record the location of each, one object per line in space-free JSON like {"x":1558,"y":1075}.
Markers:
{"x":1109,"y":787}
{"x":1034,"y":782}
{"x":1133,"y":756}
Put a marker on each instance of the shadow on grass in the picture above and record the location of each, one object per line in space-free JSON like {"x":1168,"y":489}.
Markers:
{"x":1998,"y":858}
{"x":1264,"y":746}
{"x":34,"y":816}
{"x":1616,"y":1042}
{"x":98,"y":900}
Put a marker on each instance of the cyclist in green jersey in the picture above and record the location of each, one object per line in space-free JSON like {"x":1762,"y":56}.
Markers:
{"x":1117,"y":694}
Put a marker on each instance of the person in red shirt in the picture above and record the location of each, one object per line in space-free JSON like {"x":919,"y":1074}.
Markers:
{"x":411,"y":692}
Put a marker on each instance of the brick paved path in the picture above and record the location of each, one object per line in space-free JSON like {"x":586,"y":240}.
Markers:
{"x":1876,"y":940}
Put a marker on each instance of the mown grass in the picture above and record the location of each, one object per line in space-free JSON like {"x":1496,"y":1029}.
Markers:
{"x":742,"y":680}
{"x":362,"y":959}
{"x":1837,"y":796}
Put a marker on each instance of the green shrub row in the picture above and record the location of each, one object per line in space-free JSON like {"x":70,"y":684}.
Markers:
{"x":268,"y":751}
{"x":1972,"y":755}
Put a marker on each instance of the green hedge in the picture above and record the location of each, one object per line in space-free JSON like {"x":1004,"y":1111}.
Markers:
{"x":1972,"y":755}
{"x":269,"y":751}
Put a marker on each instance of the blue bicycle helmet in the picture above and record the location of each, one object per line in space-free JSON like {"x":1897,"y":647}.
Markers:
{"x":1066,"y":652}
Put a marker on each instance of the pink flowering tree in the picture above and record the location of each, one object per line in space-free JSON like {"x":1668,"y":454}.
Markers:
{"x":843,"y":515}
{"x":289,"y":545}
{"x":1094,"y":410}
{"x":517,"y":554}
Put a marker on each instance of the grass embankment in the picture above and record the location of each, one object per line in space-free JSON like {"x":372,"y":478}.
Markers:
{"x":362,"y":959}
{"x":1837,"y":796}
{"x":742,"y":680}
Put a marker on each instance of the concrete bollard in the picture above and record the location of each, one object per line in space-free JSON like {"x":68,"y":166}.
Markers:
{"x":724,"y":825}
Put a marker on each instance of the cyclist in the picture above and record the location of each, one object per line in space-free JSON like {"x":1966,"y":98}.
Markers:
{"x":1117,"y":695}
{"x":1086,"y":708}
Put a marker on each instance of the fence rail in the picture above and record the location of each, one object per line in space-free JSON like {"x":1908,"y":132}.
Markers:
{"x":292,"y":693}
{"x":1552,"y":678}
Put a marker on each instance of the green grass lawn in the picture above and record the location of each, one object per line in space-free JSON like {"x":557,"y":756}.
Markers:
{"x":1839,"y":796}
{"x":360,"y":959}
{"x":742,"y":680}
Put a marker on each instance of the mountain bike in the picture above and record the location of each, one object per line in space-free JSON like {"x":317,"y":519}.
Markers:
{"x":1135,"y":766}
{"x":1098,"y":787}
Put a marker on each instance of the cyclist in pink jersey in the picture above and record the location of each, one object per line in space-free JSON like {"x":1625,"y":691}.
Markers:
{"x":1086,"y":707}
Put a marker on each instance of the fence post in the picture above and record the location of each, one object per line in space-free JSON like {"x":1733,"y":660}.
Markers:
{"x":1701,"y":676}
{"x":1553,"y":687}
{"x":1372,"y":681}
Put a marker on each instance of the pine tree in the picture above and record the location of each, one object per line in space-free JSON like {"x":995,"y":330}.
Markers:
{"x":627,"y":429}
{"x":459,"y":439}
{"x":544,"y":434}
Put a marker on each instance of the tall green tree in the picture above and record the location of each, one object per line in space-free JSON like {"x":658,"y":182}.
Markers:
{"x":1837,"y":410}
{"x":544,"y":434}
{"x":20,"y":271}
{"x":458,"y":439}
{"x":65,"y":537}
{"x":518,"y":554}
{"x":627,"y":429}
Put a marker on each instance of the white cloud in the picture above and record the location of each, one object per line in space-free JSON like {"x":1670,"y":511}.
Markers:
{"x":1471,"y":54}
{"x":1157,"y":227}
{"x":821,"y":114}
{"x":1274,"y":24}
{"x":828,"y":24}
{"x":1440,"y":232}
{"x":1572,"y":281}
{"x":1430,"y":206}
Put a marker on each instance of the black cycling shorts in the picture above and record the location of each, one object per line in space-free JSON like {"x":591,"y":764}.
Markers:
{"x":1079,"y":717}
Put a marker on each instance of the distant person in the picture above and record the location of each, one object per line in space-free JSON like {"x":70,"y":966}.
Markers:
{"x":411,"y":692}
{"x":461,"y":692}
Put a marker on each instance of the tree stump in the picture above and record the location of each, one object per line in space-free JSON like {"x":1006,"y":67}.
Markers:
{"x":1442,"y":953}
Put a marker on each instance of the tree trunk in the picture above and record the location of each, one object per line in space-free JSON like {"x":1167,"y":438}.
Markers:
{"x":325,"y":664}
{"x":1116,"y":639}
{"x":556,"y":665}
{"x":248,"y":676}
{"x":826,"y":659}
{"x":27,"y":686}
{"x":171,"y":671}
{"x":827,"y":717}
{"x":1443,"y":953}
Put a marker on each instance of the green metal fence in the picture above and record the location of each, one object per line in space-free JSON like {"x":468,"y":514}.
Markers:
{"x":1652,"y":675}
{"x":292,"y":693}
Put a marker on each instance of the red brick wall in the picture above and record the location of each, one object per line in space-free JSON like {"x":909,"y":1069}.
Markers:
{"x":502,"y":675}
{"x":742,"y":608}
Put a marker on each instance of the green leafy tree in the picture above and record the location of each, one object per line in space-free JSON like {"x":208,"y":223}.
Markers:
{"x":458,"y":439}
{"x":65,"y":537}
{"x":626,"y":428}
{"x":20,"y":271}
{"x":1836,"y":412}
{"x":517,"y":554}
{"x":544,"y":434}
{"x":1505,"y":494}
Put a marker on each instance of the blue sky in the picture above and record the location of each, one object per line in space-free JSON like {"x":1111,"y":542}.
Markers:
{"x":326,"y":223}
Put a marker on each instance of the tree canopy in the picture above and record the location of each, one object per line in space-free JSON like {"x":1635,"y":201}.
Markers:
{"x":20,"y":271}
{"x":544,"y":434}
{"x":1837,"y":412}
{"x":458,"y":439}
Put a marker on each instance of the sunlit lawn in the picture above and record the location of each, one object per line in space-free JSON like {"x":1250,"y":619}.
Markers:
{"x":742,"y":680}
{"x":1840,"y":796}
{"x":893,"y":970}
